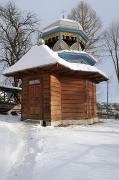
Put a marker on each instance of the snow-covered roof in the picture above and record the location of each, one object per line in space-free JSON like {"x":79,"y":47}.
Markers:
{"x":39,"y":56}
{"x":77,"y":52}
{"x":10,"y":87}
{"x":65,"y":23}
{"x":74,"y":56}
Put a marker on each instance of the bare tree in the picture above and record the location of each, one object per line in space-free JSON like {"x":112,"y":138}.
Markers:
{"x":16,"y":32}
{"x":111,"y":45}
{"x":91,"y":23}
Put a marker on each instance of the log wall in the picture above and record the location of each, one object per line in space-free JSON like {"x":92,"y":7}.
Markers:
{"x":24,"y":99}
{"x":63,"y":98}
{"x":55,"y":98}
{"x":78,"y":99}
{"x":91,"y":99}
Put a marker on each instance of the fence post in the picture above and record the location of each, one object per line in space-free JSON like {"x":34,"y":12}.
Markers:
{"x":107,"y":97}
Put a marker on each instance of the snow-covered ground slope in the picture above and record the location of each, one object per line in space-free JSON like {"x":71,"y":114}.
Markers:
{"x":31,"y":152}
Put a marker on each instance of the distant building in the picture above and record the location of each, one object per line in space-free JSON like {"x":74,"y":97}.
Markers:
{"x":59,"y":78}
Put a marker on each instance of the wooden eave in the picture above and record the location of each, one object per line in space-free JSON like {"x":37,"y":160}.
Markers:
{"x":60,"y":70}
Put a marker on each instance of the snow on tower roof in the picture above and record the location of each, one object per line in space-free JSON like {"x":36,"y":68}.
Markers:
{"x":65,"y":23}
{"x":40,"y":56}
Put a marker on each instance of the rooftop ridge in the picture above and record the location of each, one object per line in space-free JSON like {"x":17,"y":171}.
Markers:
{"x":60,"y":21}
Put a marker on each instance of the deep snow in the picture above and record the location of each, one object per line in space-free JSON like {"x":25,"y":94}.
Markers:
{"x":31,"y":152}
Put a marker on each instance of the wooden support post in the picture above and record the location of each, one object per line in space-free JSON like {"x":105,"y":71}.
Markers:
{"x":107,"y":97}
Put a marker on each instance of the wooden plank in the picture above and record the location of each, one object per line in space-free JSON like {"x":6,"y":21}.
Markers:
{"x":69,"y":83}
{"x":55,"y":91}
{"x":73,"y":118}
{"x":69,"y":98}
{"x":55,"y":84}
{"x":75,"y":94}
{"x":55,"y":98}
{"x":74,"y":101}
{"x":78,"y":88}
{"x":72,"y":93}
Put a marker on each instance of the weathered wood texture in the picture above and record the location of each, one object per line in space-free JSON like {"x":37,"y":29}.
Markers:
{"x":24,"y":99}
{"x":91,"y":99}
{"x":46,"y":98}
{"x":55,"y":98}
{"x":77,"y":98}
{"x":36,"y":98}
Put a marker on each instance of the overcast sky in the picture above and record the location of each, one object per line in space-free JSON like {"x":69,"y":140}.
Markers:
{"x":50,"y":10}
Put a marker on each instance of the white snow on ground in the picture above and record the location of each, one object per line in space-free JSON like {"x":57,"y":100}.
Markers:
{"x":32,"y":152}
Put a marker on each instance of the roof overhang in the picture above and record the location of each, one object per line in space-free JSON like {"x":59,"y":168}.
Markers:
{"x":42,"y":58}
{"x":61,"y":70}
{"x":9,"y":88}
{"x":77,"y":56}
